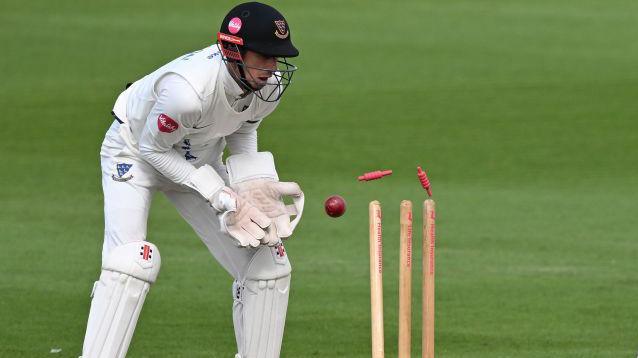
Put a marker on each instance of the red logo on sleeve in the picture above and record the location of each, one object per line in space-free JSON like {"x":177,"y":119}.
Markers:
{"x":166,"y":124}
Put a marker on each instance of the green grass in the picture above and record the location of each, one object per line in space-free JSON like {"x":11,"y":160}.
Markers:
{"x":524,"y":113}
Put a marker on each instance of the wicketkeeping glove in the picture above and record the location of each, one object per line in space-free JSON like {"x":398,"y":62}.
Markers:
{"x":254,"y":178}
{"x":267,"y":196}
{"x":242,"y":221}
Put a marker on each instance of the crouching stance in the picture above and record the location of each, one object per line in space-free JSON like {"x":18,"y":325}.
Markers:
{"x":170,"y":130}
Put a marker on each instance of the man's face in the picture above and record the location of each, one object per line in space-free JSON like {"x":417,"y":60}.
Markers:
{"x":258,"y":68}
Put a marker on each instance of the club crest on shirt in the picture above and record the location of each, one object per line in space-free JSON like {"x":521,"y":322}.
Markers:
{"x":281,"y":32}
{"x":166,"y":124}
{"x":121,"y":169}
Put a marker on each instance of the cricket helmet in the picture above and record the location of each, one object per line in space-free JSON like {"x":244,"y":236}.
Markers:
{"x":260,"y":28}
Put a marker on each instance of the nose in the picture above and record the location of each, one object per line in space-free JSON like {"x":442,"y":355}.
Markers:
{"x":271,"y":63}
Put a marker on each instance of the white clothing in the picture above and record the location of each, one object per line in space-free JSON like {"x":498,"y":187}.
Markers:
{"x":191,"y":92}
{"x":127,"y":203}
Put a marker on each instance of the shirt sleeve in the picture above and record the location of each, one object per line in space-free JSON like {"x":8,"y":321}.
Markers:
{"x":244,"y":140}
{"x":177,"y":108}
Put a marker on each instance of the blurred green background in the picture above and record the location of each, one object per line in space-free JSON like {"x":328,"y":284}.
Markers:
{"x":523,"y":112}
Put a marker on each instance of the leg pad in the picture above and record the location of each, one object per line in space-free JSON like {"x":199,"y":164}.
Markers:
{"x":260,"y":304}
{"x":118,"y":298}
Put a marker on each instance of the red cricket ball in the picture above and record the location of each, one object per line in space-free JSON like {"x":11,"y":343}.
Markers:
{"x":335,"y":206}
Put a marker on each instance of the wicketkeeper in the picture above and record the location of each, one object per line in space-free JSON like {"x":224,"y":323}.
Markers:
{"x":169,"y":133}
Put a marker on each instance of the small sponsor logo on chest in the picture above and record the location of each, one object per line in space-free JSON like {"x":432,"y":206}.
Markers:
{"x":186,"y":145}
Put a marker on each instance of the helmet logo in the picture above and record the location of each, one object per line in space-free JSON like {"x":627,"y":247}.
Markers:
{"x":234,"y":25}
{"x":282,"y":31}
